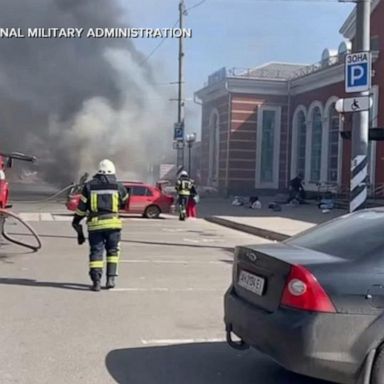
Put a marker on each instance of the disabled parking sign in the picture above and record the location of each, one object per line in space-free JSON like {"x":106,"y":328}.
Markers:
{"x":358,"y":72}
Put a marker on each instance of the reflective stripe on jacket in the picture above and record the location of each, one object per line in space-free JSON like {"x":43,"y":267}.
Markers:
{"x":184,"y":186}
{"x":101,"y":200}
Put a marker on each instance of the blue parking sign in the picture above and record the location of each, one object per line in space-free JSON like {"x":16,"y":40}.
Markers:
{"x":358,"y":72}
{"x":178,"y":133}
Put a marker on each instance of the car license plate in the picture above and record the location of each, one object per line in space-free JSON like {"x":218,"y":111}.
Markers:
{"x":251,"y":282}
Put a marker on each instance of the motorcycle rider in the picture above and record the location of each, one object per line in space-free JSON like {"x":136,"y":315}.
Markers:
{"x":101,"y":199}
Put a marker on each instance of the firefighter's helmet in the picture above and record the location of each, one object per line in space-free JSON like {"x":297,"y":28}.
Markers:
{"x":106,"y":167}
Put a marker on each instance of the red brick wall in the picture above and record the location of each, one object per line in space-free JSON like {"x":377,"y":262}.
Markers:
{"x":241,"y":165}
{"x":320,"y":94}
{"x":221,"y":104}
{"x":377,"y":29}
{"x":243,"y":140}
{"x":323,"y":95}
{"x":242,"y":145}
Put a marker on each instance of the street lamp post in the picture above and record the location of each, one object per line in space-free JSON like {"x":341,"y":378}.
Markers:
{"x":190,"y":139}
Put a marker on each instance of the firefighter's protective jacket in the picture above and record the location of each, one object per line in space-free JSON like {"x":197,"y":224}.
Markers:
{"x":184,"y":186}
{"x":100,"y":201}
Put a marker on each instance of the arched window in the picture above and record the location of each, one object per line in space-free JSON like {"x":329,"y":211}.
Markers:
{"x":316,"y":141}
{"x":267,"y":145}
{"x":214,"y":146}
{"x":301,"y":137}
{"x":333,"y":144}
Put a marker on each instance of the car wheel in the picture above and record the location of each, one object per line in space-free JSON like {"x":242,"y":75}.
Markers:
{"x":152,"y":212}
{"x":377,"y":376}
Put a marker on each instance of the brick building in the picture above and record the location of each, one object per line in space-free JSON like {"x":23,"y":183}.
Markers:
{"x":261,"y":127}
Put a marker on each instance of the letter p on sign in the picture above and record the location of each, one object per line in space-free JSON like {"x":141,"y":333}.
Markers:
{"x":358,"y":72}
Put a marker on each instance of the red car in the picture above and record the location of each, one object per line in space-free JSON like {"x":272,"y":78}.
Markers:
{"x":144,"y":199}
{"x":4,"y":193}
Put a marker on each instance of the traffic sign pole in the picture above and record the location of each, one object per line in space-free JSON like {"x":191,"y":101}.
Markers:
{"x":359,"y":165}
{"x":180,"y":107}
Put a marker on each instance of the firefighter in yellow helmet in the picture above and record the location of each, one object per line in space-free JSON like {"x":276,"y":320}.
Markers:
{"x":100,"y":202}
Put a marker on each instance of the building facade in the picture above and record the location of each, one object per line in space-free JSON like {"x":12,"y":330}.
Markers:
{"x":262,"y":127}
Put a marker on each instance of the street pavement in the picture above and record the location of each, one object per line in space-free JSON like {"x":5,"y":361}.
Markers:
{"x":264,"y":222}
{"x":162,"y":324}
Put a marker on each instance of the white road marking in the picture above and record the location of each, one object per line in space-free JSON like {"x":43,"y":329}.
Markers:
{"x":62,"y":218}
{"x":134,"y":219}
{"x":166,"y":290}
{"x":168,"y":216}
{"x":172,"y":262}
{"x":30,"y":216}
{"x":46,"y":217}
{"x":197,"y":241}
{"x":181,"y":341}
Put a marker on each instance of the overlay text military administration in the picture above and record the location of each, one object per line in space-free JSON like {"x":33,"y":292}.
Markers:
{"x":100,"y":202}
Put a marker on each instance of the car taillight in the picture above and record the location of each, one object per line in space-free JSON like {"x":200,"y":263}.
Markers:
{"x":303,"y":291}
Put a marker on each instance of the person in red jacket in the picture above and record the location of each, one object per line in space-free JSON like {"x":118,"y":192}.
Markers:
{"x":192,"y":203}
{"x":4,"y":192}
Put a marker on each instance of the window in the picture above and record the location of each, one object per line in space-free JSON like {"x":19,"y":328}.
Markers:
{"x":140,"y":191}
{"x":342,"y":237}
{"x":301,"y":144}
{"x":267,"y":146}
{"x":317,"y":133}
{"x":214,"y":147}
{"x":333,"y":145}
{"x":375,"y":43}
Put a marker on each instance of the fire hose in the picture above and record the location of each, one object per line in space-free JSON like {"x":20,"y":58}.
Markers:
{"x":4,"y":214}
{"x":50,"y":198}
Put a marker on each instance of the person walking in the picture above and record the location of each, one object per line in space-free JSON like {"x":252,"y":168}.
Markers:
{"x":101,"y":199}
{"x":183,"y":189}
{"x":192,"y":203}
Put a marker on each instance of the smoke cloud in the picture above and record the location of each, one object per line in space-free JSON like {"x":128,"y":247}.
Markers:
{"x":73,"y":102}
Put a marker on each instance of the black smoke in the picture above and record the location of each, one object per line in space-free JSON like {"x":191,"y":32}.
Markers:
{"x":72,"y":102}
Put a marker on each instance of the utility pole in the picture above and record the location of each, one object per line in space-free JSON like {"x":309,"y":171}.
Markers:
{"x":359,"y":166}
{"x":180,"y":99}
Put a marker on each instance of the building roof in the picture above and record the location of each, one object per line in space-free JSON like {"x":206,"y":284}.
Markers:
{"x":270,"y":77}
{"x":273,"y":71}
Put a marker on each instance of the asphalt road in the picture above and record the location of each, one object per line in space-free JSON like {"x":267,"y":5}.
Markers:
{"x":163,"y":324}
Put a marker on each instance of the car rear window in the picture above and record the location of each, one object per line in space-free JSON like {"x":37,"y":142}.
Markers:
{"x":350,"y":237}
{"x":140,"y":191}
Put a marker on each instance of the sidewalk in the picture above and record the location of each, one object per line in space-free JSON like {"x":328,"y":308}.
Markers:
{"x":265,"y":222}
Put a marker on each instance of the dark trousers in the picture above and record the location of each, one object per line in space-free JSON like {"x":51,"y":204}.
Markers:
{"x":183,"y":200}
{"x":98,"y":241}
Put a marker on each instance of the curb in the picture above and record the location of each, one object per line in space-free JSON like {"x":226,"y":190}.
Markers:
{"x":256,"y":231}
